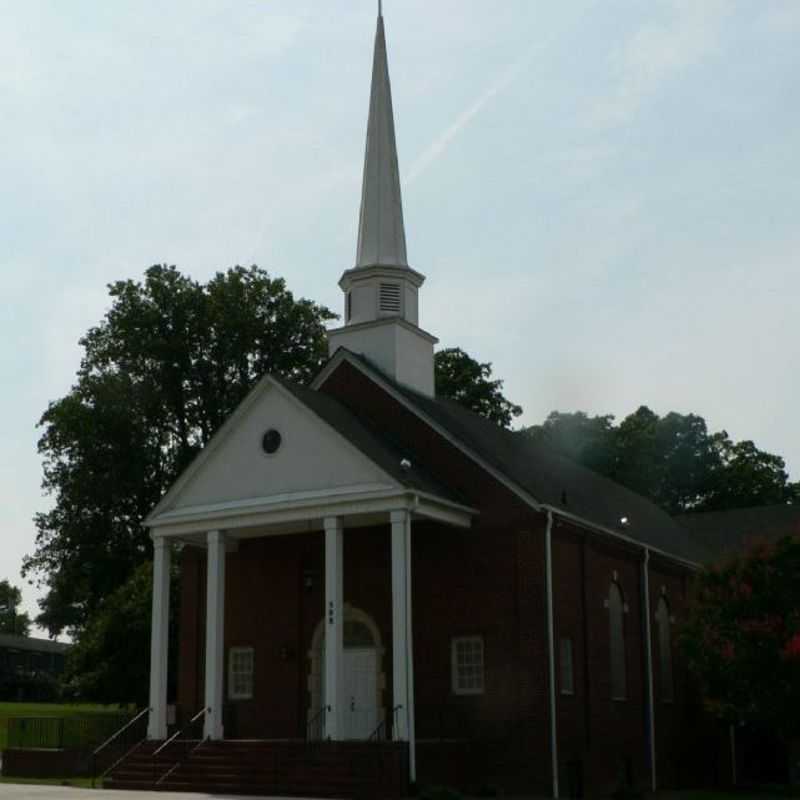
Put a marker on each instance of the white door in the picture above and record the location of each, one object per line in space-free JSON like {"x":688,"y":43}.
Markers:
{"x":359,"y":693}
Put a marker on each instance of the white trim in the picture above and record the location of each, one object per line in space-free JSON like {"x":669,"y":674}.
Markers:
{"x":551,"y":656}
{"x":343,"y":355}
{"x":229,"y":426}
{"x":312,"y":508}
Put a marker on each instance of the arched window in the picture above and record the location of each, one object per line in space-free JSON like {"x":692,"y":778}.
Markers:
{"x":664,"y":651}
{"x":616,"y":611}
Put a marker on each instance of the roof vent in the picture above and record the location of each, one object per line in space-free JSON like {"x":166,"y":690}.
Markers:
{"x":389,"y":298}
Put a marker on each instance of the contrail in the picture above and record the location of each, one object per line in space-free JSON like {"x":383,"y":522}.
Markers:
{"x":442,"y":142}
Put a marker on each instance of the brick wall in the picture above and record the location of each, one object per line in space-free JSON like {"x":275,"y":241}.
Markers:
{"x":488,"y":581}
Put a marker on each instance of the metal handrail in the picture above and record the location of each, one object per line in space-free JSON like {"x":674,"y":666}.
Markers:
{"x":320,"y":714}
{"x":169,"y":741}
{"x":113,"y":738}
{"x":374,"y":736}
{"x":121,"y":730}
{"x":185,"y":727}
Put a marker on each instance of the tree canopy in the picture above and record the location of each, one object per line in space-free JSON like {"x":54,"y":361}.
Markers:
{"x":742,"y":638}
{"x":673,"y":460}
{"x":169,"y":361}
{"x":469,"y":382}
{"x":11,"y":620}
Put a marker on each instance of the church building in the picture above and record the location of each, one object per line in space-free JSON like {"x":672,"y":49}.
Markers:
{"x":374,"y":578}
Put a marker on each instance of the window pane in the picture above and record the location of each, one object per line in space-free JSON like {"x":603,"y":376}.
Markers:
{"x":567,"y":676}
{"x":240,"y":673}
{"x":617,"y":643}
{"x":665,"y":651}
{"x":467,"y":661}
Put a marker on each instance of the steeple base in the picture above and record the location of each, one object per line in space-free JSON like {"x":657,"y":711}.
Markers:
{"x":401,"y":350}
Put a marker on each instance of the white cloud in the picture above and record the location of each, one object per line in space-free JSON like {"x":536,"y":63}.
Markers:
{"x":657,"y":53}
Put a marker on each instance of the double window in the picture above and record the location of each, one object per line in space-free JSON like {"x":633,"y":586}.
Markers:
{"x":466,"y":653}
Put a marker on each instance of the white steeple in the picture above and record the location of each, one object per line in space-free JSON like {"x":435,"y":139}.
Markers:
{"x":381,"y":234}
{"x":381,"y":291}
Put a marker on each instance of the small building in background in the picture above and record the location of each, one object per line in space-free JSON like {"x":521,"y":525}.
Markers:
{"x":30,"y":668}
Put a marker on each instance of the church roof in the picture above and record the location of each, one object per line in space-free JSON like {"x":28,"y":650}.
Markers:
{"x":552,"y":479}
{"x":383,"y":453}
{"x":381,"y":233}
{"x":727,"y":532}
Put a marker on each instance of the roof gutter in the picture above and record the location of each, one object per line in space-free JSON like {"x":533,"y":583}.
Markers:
{"x":651,"y":727}
{"x":585,"y":523}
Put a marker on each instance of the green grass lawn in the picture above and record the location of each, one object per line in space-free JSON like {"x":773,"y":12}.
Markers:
{"x":8,"y":710}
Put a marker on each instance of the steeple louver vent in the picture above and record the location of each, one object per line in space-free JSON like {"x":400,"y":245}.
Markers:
{"x":389,"y":299}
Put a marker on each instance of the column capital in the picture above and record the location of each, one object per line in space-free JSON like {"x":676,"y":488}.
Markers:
{"x":399,"y":516}
{"x":159,"y":541}
{"x":333,"y":523}
{"x":215,"y":537}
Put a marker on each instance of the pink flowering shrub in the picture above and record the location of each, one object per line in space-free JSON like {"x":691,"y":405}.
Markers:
{"x":742,"y":636}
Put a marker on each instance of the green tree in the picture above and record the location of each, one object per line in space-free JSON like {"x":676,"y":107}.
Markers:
{"x":110,"y":660}
{"x":167,"y":364}
{"x":469,"y":382}
{"x":673,"y":460}
{"x":587,"y":440}
{"x":742,"y":637}
{"x":11,"y":620}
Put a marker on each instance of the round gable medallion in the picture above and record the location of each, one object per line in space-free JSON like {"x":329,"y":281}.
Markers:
{"x":271,"y":441}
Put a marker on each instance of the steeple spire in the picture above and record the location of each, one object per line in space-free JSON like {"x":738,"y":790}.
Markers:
{"x":381,"y":233}
{"x":381,"y":292}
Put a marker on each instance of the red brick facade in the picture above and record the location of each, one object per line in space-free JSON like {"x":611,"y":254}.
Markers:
{"x":489,"y":581}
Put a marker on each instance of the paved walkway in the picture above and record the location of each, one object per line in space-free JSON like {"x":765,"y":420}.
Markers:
{"x":19,"y":791}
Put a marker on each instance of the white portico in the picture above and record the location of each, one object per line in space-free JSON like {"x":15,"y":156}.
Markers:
{"x":279,"y":467}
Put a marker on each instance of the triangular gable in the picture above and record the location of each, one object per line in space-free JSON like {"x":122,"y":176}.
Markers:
{"x":233,"y":467}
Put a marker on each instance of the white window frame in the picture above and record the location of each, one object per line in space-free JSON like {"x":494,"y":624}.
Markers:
{"x":232,"y":693}
{"x":455,"y":677}
{"x":567,"y":665}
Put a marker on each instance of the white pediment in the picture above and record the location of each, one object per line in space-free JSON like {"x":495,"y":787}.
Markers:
{"x":233,"y":468}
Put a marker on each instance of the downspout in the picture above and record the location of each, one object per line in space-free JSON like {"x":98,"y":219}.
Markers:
{"x":551,"y":658}
{"x":649,"y":657}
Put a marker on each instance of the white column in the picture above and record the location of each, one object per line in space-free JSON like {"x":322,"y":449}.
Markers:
{"x":334,"y":623}
{"x":215,"y":635}
{"x":402,"y":644}
{"x":159,"y":640}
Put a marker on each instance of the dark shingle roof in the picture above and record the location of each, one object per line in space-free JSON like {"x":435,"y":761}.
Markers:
{"x":727,"y":532}
{"x":12,"y":641}
{"x":551,"y":478}
{"x":385,"y":454}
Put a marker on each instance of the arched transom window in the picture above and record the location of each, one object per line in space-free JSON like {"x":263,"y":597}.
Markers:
{"x":664,"y":651}
{"x":616,"y":619}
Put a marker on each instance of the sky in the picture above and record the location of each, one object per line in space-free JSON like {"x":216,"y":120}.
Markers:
{"x":603,"y":195}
